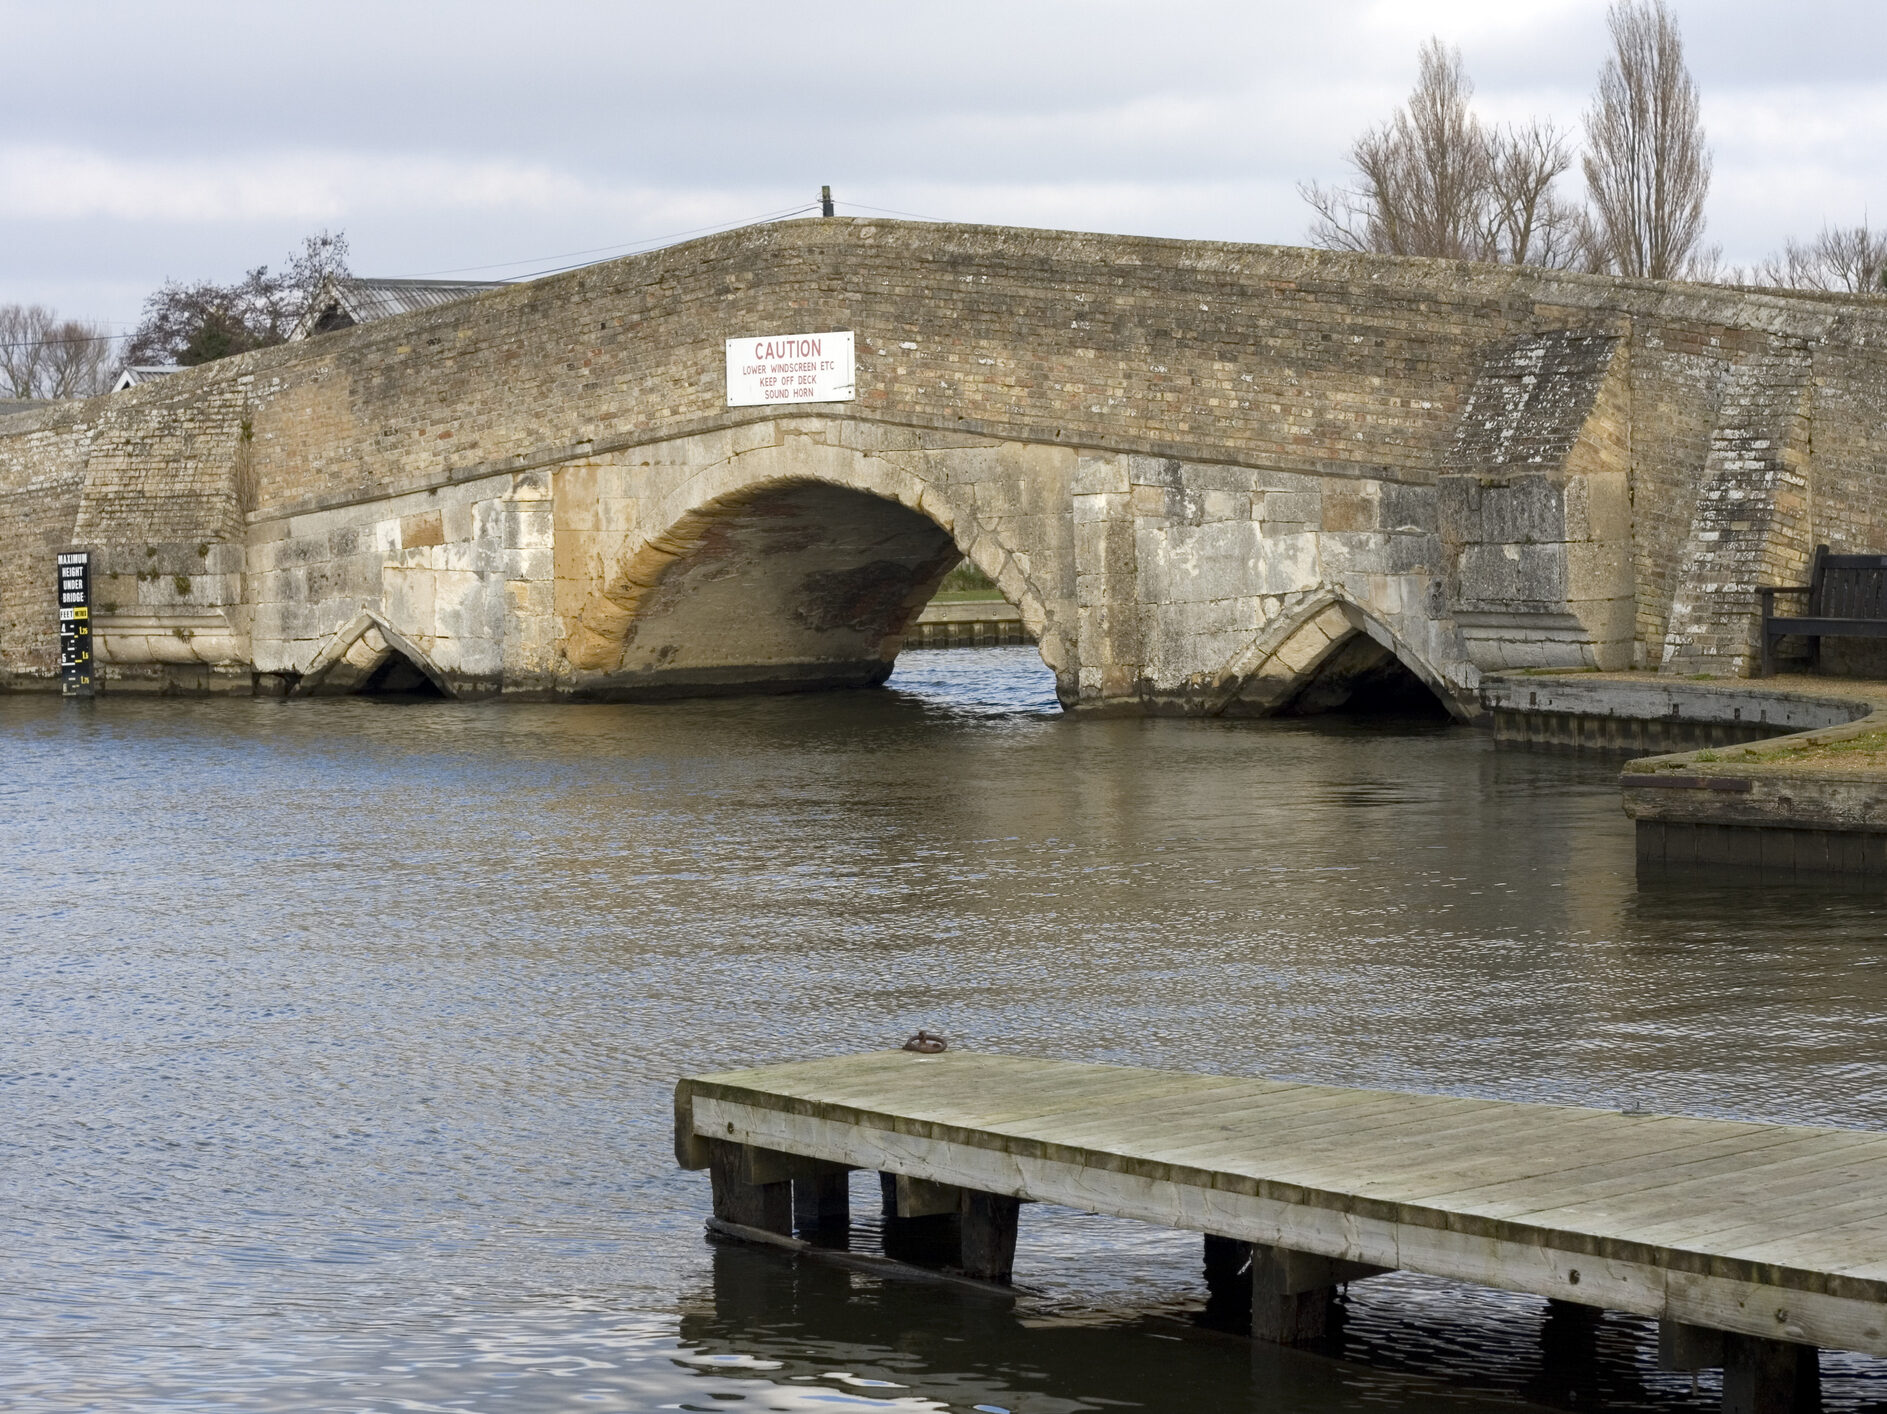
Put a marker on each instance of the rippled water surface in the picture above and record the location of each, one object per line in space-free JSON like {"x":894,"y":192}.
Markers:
{"x":337,"y":1037}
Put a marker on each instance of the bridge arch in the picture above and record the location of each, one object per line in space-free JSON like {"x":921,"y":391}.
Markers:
{"x":796,"y":565}
{"x":1324,"y":641}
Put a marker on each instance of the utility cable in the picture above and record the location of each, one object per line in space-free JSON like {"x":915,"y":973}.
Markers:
{"x":886,"y":211}
{"x":648,"y":243}
{"x":48,"y":343}
{"x":625,"y":247}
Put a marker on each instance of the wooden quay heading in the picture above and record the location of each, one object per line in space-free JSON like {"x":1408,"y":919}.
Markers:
{"x":1752,"y":1244}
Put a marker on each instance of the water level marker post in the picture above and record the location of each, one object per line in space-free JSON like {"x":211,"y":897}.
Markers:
{"x":76,"y":677}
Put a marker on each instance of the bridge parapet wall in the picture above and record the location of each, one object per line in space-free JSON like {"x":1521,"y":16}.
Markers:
{"x":1243,"y":429}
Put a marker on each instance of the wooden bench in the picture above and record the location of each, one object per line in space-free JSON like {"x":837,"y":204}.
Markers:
{"x":1847,"y":598}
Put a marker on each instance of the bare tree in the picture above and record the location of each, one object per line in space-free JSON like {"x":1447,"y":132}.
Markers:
{"x":23,"y":329}
{"x":43,"y":356}
{"x":1842,"y":259}
{"x":1434,"y":180}
{"x":80,"y":360}
{"x":1647,"y":166}
{"x":1423,"y":176}
{"x":1529,"y":223}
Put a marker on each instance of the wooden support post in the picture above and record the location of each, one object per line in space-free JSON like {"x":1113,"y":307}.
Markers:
{"x":822,"y":1201}
{"x":988,"y":1239}
{"x":921,"y":1221}
{"x":1292,"y":1295}
{"x":751,"y":1187}
{"x":940,"y":1224}
{"x":1569,"y":1339}
{"x":1770,"y":1376}
{"x":1689,"y":1348}
{"x":920,"y":1198}
{"x":1228,"y":1282}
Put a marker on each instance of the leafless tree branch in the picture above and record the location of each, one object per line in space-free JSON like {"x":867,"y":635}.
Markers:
{"x":1842,"y":259}
{"x":1530,"y":224}
{"x":43,"y":356}
{"x":1433,"y":180}
{"x":1647,"y":166}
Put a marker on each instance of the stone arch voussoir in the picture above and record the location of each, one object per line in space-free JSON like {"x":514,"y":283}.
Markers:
{"x":354,"y":652}
{"x":1295,"y":645}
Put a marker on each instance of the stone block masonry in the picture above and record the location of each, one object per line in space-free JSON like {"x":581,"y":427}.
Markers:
{"x":1204,"y":474}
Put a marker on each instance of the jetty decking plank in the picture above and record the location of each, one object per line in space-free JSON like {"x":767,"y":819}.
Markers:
{"x":1144,"y":1131}
{"x":1769,"y":1230}
{"x":1700,"y":1202}
{"x":1404,"y":1152}
{"x":1624,"y":1167}
{"x":1652,"y":1183}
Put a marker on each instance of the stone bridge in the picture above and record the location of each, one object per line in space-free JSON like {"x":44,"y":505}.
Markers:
{"x":1214,"y":478}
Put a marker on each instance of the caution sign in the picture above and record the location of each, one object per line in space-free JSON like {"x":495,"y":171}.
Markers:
{"x":791,"y":368}
{"x":75,"y":623}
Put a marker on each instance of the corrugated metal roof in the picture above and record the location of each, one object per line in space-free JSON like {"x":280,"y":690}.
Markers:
{"x":359,"y":300}
{"x":143,"y":373}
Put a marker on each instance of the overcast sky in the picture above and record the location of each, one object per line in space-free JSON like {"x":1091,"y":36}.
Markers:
{"x":140,"y":142}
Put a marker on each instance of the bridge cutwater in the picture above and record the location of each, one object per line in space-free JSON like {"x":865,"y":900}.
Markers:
{"x":1751,"y":1244}
{"x":1205,"y":476}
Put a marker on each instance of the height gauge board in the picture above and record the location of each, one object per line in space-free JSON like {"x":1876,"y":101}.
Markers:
{"x":75,"y":623}
{"x":791,"y":368}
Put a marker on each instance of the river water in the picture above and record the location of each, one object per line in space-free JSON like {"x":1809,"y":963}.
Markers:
{"x":337,"y":1037}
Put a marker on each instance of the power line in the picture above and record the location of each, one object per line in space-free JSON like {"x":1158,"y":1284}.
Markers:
{"x":48,"y":343}
{"x":624,"y":248}
{"x":648,"y":243}
{"x":655,"y":242}
{"x":886,"y":211}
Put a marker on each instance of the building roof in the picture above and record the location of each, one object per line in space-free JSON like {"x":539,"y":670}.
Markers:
{"x":349,"y":300}
{"x":143,"y":373}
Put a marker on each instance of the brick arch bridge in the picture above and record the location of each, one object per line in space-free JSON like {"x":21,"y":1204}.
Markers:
{"x":1210,"y":476}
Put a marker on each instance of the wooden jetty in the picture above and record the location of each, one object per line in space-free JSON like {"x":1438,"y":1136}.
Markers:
{"x":1752,"y":1244}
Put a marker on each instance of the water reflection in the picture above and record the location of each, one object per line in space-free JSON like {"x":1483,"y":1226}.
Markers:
{"x":336,"y":1037}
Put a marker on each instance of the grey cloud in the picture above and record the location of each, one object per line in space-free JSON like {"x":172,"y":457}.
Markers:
{"x":1185,"y":118}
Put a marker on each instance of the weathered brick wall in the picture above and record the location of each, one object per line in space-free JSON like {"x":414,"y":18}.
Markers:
{"x":1848,"y":426}
{"x":156,"y":485}
{"x":42,"y":477}
{"x":1750,"y":522}
{"x":1309,"y":370}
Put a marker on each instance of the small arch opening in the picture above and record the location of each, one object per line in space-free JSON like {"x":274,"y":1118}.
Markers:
{"x":398,"y":678}
{"x":1362,"y":678}
{"x":368,"y":659}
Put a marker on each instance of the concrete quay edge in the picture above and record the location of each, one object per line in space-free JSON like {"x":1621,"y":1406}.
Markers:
{"x":1748,"y":800}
